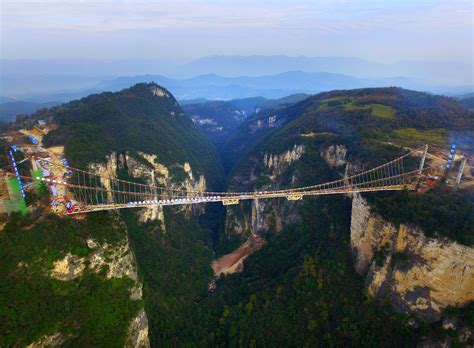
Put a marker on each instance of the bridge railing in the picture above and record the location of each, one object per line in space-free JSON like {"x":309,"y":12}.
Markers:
{"x":95,"y":192}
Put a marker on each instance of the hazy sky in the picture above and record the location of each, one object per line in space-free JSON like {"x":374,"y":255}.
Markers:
{"x":384,"y":31}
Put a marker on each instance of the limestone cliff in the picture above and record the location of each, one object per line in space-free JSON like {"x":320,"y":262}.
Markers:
{"x":261,"y":216}
{"x":112,"y":260}
{"x":278,"y":163}
{"x":335,"y":155}
{"x":118,"y":261}
{"x":148,"y":168}
{"x":418,"y":275}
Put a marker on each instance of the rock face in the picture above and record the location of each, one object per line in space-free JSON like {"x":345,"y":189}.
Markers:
{"x":68,"y":268}
{"x":119,"y":261}
{"x":335,"y":155}
{"x":138,"y":331}
{"x":148,"y":167}
{"x":159,"y":92}
{"x":53,"y":340}
{"x":418,"y":275}
{"x":252,"y":220}
{"x":261,"y":216}
{"x":278,"y":163}
{"x":116,"y":261}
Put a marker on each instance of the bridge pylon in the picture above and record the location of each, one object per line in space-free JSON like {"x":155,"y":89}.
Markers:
{"x":423,"y":159}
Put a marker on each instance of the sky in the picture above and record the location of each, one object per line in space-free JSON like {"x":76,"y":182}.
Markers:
{"x":180,"y":31}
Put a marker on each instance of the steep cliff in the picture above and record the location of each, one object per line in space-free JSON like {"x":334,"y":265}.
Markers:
{"x":411,"y":273}
{"x":113,"y":260}
{"x":148,"y":169}
{"x":261,"y":216}
{"x":418,"y":275}
{"x":138,"y":134}
{"x":73,"y":274}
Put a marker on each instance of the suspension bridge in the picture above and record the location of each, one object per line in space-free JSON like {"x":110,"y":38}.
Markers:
{"x":88,"y":192}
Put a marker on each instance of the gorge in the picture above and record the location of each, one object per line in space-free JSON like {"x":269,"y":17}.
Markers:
{"x":328,"y":270}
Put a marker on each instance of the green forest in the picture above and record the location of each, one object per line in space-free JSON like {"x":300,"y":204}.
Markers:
{"x":89,"y":310}
{"x":131,"y":120}
{"x":299,"y":289}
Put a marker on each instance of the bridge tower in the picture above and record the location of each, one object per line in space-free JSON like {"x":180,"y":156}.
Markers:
{"x":423,"y":159}
{"x":460,"y":172}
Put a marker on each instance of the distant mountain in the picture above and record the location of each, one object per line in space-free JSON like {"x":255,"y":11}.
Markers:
{"x":269,"y":65}
{"x":23,"y":84}
{"x":468,"y":102}
{"x":212,"y":86}
{"x":217,"y":120}
{"x":64,"y":80}
{"x":4,"y":99}
{"x":9,"y":110}
{"x":464,"y":96}
{"x":192,"y":101}
{"x":436,"y":72}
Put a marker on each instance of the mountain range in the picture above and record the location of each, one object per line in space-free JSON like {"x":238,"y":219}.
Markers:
{"x":242,"y":76}
{"x":437,"y":72}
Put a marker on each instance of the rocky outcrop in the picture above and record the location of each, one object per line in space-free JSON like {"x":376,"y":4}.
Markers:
{"x":138,"y":331}
{"x":417,"y":274}
{"x":113,"y":261}
{"x":53,"y":340}
{"x":148,"y":167}
{"x":258,"y":217}
{"x":253,"y":220}
{"x":278,"y":163}
{"x":107,"y":170}
{"x":272,"y":121}
{"x":68,"y":268}
{"x":159,"y":92}
{"x":335,"y":155}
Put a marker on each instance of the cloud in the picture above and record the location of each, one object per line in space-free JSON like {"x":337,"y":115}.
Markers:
{"x":374,"y":29}
{"x":323,"y":15}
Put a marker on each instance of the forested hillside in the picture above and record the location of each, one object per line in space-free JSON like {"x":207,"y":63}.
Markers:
{"x":82,"y":305}
{"x":218,"y":120}
{"x":299,"y":289}
{"x":302,"y":283}
{"x":79,"y":275}
{"x":145,"y":118}
{"x":468,"y":102}
{"x":370,"y":115}
{"x":375,"y":126}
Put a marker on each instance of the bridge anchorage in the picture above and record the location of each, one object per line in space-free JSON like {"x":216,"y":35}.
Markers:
{"x":79,"y":191}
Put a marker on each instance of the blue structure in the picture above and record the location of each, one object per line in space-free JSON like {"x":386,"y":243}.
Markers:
{"x":33,"y":139}
{"x":450,"y":161}
{"x":12,"y":157}
{"x":450,"y":158}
